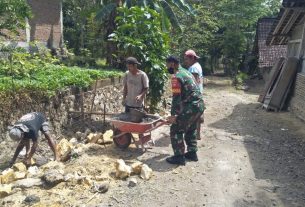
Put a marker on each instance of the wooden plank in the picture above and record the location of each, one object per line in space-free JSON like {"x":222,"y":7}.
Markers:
{"x":282,"y":84}
{"x":276,"y":69}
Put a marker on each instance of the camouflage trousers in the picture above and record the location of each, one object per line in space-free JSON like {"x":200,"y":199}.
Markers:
{"x":185,"y":130}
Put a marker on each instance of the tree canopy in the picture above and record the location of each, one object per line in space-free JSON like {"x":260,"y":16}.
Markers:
{"x":223,"y":29}
{"x":107,"y":31}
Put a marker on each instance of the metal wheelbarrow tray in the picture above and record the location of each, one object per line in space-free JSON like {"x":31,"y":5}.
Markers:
{"x":123,"y":131}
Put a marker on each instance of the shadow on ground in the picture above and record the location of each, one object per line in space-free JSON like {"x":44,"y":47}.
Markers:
{"x":276,"y":151}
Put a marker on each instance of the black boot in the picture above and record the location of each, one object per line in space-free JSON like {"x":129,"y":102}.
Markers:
{"x":176,"y":160}
{"x":191,"y":156}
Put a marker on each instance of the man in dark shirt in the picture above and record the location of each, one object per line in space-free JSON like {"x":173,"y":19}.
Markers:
{"x":26,"y":129}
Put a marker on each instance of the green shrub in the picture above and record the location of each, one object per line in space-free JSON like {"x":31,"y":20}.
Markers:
{"x":240,"y":78}
{"x":24,"y":71}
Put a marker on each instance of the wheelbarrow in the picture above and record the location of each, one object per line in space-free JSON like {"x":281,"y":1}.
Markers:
{"x":123,"y":130}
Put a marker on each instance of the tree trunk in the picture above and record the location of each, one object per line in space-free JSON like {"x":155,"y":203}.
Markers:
{"x":110,"y":46}
{"x":212,"y":64}
{"x":82,"y":35}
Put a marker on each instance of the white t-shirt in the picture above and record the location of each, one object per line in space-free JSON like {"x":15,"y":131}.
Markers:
{"x":196,"y":68}
{"x":135,"y":85}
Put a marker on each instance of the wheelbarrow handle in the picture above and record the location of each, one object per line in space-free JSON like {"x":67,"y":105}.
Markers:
{"x":164,"y":121}
{"x":161,"y":122}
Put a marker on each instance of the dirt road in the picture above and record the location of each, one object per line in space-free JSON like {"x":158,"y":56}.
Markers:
{"x":248,"y":158}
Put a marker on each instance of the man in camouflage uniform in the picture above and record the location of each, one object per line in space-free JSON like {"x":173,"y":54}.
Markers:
{"x":187,"y":107}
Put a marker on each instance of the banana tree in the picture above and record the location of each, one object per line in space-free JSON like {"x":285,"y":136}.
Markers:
{"x":164,"y":7}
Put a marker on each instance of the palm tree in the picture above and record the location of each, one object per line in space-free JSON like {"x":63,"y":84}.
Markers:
{"x":164,"y":7}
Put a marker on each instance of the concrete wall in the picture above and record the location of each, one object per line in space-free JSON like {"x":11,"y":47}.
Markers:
{"x":109,"y":92}
{"x":297,"y":32}
{"x":296,"y":49}
{"x":298,"y":101}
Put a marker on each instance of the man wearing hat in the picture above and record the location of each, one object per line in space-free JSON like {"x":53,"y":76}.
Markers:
{"x":191,"y":62}
{"x":26,"y":129}
{"x":136,"y":85}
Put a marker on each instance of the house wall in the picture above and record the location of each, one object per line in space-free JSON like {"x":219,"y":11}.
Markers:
{"x":45,"y":26}
{"x":297,"y":32}
{"x":294,"y":44}
{"x":298,"y":101}
{"x":296,"y":48}
{"x":267,"y":54}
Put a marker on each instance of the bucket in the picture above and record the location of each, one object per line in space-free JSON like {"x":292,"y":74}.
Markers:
{"x":136,"y":115}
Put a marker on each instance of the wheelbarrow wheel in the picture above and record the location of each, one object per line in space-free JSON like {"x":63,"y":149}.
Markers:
{"x":122,"y":141}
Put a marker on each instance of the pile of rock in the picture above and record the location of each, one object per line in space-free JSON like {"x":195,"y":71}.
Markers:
{"x":48,"y":175}
{"x":74,"y":147}
{"x":53,"y":172}
{"x":89,"y":137}
{"x":11,"y":177}
{"x":100,"y":138}
{"x":124,"y":171}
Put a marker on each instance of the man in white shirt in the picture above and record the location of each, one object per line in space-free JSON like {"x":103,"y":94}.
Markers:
{"x":191,"y":62}
{"x":136,"y":85}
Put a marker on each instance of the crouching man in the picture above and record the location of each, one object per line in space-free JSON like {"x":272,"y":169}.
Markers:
{"x":26,"y":129}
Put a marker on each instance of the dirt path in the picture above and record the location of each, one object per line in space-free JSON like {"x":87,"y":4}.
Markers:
{"x":248,"y":158}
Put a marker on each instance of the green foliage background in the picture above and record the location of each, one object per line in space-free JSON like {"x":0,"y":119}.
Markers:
{"x":219,"y":31}
{"x":139,"y":34}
